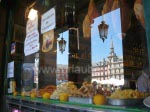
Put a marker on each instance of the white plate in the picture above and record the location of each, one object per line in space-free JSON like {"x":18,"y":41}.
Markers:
{"x":146,"y":101}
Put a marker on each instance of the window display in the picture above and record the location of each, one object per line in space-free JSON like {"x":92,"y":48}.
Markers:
{"x":96,"y":50}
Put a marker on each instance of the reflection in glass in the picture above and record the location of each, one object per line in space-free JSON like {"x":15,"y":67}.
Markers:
{"x":62,"y":45}
{"x":62,"y":59}
{"x":27,"y":76}
{"x":107,"y":56}
{"x":103,"y":30}
{"x":36,"y":69}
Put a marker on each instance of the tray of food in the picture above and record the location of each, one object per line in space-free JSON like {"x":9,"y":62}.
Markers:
{"x":83,"y":100}
{"x":124,"y":102}
{"x":126,"y":97}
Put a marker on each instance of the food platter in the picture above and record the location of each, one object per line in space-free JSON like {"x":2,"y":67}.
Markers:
{"x":124,"y":102}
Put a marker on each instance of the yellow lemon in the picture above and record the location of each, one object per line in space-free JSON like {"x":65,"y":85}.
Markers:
{"x":99,"y":99}
{"x":46,"y":95}
{"x":15,"y":93}
{"x":63,"y":97}
{"x":33,"y":95}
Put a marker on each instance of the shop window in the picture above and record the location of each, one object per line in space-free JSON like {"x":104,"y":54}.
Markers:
{"x":86,"y":53}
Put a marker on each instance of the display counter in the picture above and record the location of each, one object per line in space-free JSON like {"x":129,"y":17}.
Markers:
{"x":27,"y":104}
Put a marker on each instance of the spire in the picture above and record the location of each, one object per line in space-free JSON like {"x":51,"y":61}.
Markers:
{"x":112,"y":53}
{"x":112,"y":46}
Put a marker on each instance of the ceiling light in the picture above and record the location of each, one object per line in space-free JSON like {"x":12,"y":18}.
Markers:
{"x":32,"y":14}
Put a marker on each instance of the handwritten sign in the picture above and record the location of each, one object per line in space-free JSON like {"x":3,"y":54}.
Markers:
{"x":10,"y":70}
{"x":31,"y":44}
{"x":32,"y":25}
{"x":48,"y":21}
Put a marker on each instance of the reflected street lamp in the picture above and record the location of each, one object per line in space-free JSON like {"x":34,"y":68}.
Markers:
{"x":103,"y":30}
{"x":62,"y":45}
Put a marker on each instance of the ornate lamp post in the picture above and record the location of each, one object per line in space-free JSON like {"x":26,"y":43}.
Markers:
{"x":103,"y":30}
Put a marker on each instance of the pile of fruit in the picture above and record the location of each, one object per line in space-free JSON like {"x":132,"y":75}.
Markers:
{"x":127,"y":94}
{"x":44,"y":92}
{"x":48,"y":89}
{"x":86,"y":90}
{"x":66,"y":87}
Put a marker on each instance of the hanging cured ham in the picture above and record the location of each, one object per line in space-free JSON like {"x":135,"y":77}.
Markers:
{"x":86,"y":27}
{"x":125,"y":15}
{"x":139,"y":12}
{"x":115,"y":5}
{"x":111,"y":5}
{"x":88,"y":20}
{"x":107,"y":6}
{"x":92,"y":11}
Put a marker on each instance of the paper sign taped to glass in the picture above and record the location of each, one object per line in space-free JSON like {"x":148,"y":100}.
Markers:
{"x":31,"y":44}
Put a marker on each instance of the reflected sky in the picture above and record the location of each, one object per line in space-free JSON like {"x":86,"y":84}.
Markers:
{"x":101,"y":49}
{"x":62,"y":58}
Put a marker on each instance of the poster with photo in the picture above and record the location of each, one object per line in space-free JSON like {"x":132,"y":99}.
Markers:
{"x":48,"y":40}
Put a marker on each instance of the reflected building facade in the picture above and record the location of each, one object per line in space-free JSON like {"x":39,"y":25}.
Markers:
{"x":109,"y":67}
{"x":62,"y":73}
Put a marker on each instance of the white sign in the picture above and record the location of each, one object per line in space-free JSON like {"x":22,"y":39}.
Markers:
{"x":31,"y":44}
{"x":32,"y":25}
{"x":10,"y":70}
{"x":48,"y":21}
